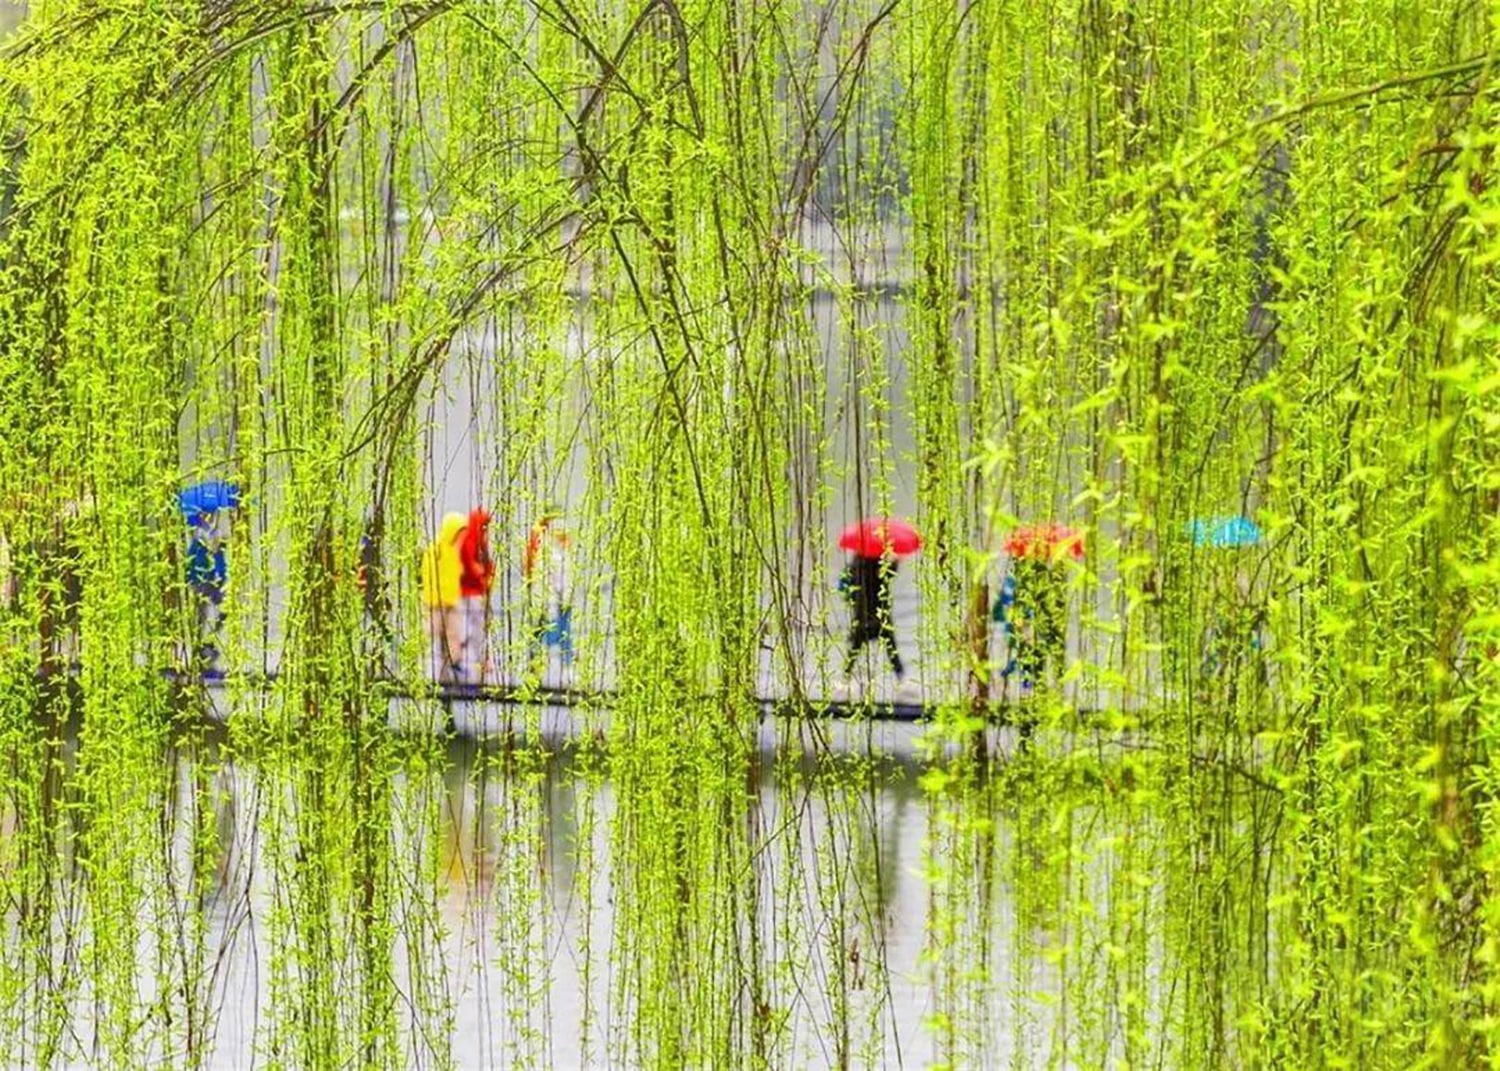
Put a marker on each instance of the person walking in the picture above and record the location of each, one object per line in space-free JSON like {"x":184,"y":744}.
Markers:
{"x":207,"y":569}
{"x":866,"y":584}
{"x":1032,"y":604}
{"x":442,"y":571}
{"x":206,"y":565}
{"x":1032,"y":608}
{"x":876,"y":546}
{"x":546,"y":577}
{"x":476,"y":578}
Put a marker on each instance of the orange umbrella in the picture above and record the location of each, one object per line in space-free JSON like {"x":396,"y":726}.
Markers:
{"x":1050,"y":541}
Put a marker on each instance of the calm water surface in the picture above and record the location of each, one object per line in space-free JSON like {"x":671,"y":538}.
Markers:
{"x":887,"y":920}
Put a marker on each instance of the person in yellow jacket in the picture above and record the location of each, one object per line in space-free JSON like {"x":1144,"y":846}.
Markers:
{"x":442,"y":572}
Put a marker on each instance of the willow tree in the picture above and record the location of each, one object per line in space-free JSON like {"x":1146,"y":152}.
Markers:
{"x":707,"y":269}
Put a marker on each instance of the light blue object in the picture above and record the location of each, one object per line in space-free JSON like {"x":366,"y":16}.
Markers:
{"x":210,"y":496}
{"x":1225,"y":532}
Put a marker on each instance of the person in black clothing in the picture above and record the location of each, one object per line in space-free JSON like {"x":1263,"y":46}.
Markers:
{"x":866,"y":583}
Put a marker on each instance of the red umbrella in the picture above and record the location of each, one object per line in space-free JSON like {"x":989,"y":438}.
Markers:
{"x":877,"y":536}
{"x":1050,"y":541}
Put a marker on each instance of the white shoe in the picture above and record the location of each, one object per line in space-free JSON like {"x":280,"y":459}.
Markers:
{"x":843,"y":690}
{"x":908,"y":691}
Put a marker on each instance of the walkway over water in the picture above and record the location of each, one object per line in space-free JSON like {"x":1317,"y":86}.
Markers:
{"x":559,"y":716}
{"x":484,"y":710}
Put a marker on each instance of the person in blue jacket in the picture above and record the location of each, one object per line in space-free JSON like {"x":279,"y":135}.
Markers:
{"x":205,"y":565}
{"x":1031,"y":608}
{"x":207,"y":575}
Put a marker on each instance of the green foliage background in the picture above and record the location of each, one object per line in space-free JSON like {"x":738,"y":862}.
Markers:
{"x":1158,"y":261}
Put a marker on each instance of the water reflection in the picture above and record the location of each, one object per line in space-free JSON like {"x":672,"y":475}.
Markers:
{"x":495,"y":902}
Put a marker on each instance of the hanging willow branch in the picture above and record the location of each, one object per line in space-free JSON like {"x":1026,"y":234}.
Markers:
{"x":719,"y":278}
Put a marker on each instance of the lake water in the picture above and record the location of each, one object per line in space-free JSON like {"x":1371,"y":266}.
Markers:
{"x":620,"y":898}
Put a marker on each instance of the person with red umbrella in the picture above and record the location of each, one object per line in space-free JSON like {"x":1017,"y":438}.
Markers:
{"x":876,"y":546}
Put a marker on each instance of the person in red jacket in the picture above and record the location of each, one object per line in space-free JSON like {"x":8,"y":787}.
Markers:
{"x":474,"y":583}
